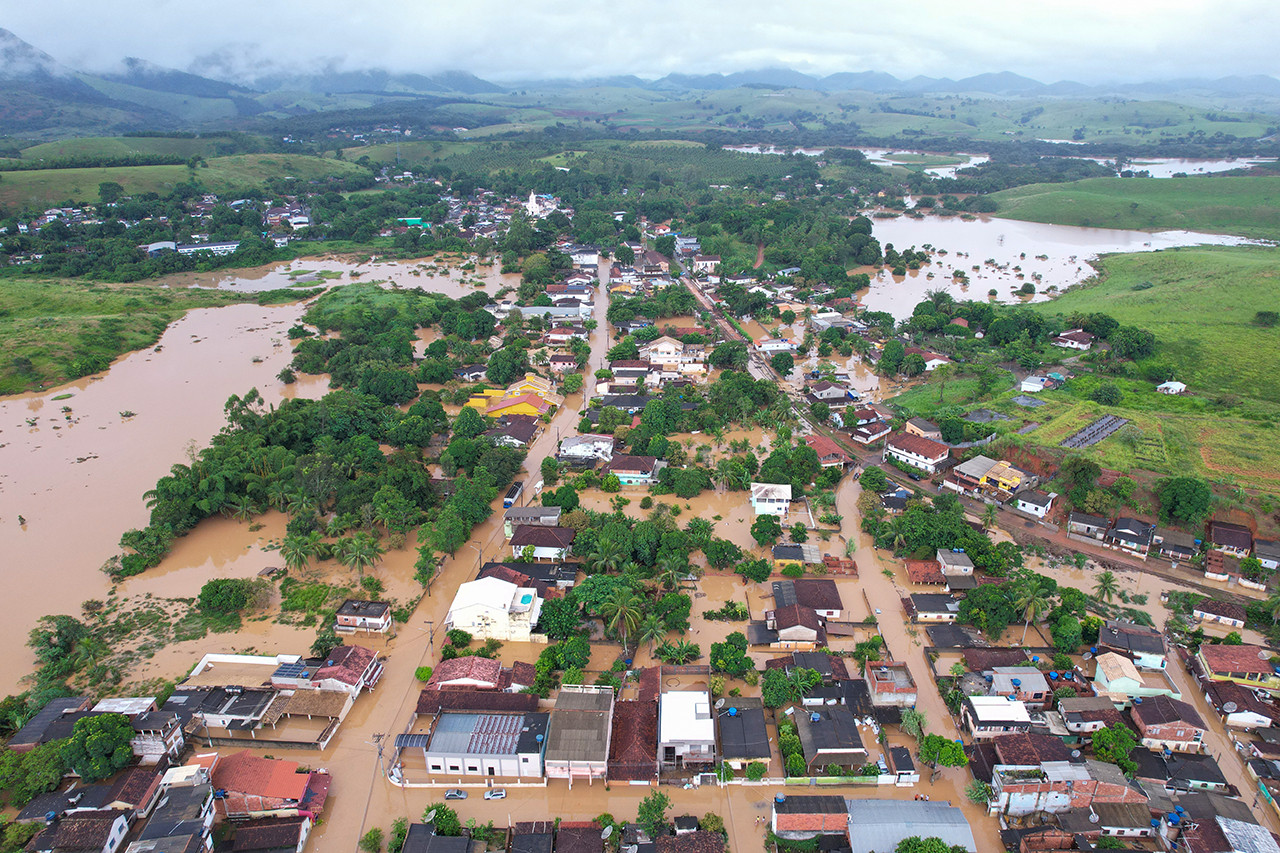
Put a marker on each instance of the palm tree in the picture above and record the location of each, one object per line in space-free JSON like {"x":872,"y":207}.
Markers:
{"x":621,"y":612}
{"x":652,"y":630}
{"x":800,"y":681}
{"x":606,"y":557}
{"x":989,"y":516}
{"x":898,"y":530}
{"x":669,"y":572}
{"x":1032,"y":601}
{"x":278,"y":495}
{"x":360,"y":552}
{"x":1106,"y":587}
{"x":1273,"y":607}
{"x":240,"y":507}
{"x":297,"y":551}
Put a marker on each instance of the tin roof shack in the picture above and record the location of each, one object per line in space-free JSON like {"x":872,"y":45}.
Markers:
{"x":890,"y":683}
{"x":829,"y":735}
{"x":799,"y":818}
{"x":876,"y":825}
{"x":579,"y":735}
{"x":743,"y":735}
{"x":1166,"y":723}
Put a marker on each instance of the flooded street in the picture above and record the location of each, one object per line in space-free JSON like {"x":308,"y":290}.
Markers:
{"x":75,"y":469}
{"x":1003,"y":255}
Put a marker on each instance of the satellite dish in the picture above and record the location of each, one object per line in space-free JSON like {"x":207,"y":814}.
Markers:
{"x":1093,"y":817}
{"x":719,"y":703}
{"x":608,"y":830}
{"x":1087,"y":655}
{"x":1075,"y":753}
{"x":1229,"y":707}
{"x":429,"y":816}
{"x":1263,"y":654}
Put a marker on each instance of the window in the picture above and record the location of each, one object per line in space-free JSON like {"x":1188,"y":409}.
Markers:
{"x":435,"y":767}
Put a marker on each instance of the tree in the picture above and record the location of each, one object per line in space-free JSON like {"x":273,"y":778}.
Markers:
{"x":730,"y":657}
{"x":652,"y":629}
{"x":224,"y":596}
{"x":361,"y":552}
{"x":913,"y":723}
{"x":573,"y":383}
{"x":1067,"y":634}
{"x":1184,"y":499}
{"x":371,"y":841}
{"x":799,"y":533}
{"x":1114,"y":744}
{"x":989,"y":516}
{"x":916,"y":844}
{"x":622,"y":612}
{"x":665,"y":245}
{"x":978,"y":792}
{"x":873,"y":479}
{"x":297,"y":551}
{"x":765,"y":530}
{"x":1106,"y":586}
{"x":780,"y":687}
{"x":891,"y":358}
{"x":821,"y":411}
{"x":559,"y":618}
{"x":1032,"y":601}
{"x":25,"y":775}
{"x":756,"y":770}
{"x":652,"y":813}
{"x":936,"y":749}
{"x":445,"y":821}
{"x":469,"y":423}
{"x":1107,"y":394}
{"x":783,"y":362}
{"x":99,"y":746}
{"x":109,"y":192}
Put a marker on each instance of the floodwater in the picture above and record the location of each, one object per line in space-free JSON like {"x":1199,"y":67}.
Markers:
{"x":74,"y":470}
{"x":1004,"y":254}
{"x":1167,"y":167}
{"x":440,"y":275}
{"x":881,"y":157}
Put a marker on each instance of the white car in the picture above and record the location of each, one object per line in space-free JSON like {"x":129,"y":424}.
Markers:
{"x":495,"y":794}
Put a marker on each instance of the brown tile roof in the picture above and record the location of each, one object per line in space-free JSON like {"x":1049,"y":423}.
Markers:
{"x":269,"y":834}
{"x":924,"y":571}
{"x":981,"y":660}
{"x":633,"y":747}
{"x":796,"y":614}
{"x":1223,"y":609}
{"x":505,"y":573}
{"x":543,"y":537}
{"x":825,"y":447}
{"x":579,"y":837}
{"x":1222,"y":692}
{"x":700,"y":841}
{"x":650,"y":684}
{"x":818,"y":593}
{"x":1029,"y":749}
{"x":639,"y":464}
{"x":432,"y":701}
{"x":346,"y":664}
{"x":523,"y":672}
{"x":135,"y":786}
{"x":926,"y":447}
{"x":1237,"y":659}
{"x":266,"y":777}
{"x":1158,"y":710}
{"x":317,"y":703}
{"x":1230,"y":535}
{"x":88,"y":831}
{"x":471,"y":667}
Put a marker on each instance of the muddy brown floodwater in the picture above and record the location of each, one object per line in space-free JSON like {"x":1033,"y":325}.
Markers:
{"x":439,"y":275}
{"x":75,"y":469}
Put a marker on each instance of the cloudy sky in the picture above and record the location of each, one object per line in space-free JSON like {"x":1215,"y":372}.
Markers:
{"x":1092,"y":41}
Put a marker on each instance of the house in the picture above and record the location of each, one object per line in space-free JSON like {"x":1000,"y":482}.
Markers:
{"x":954,"y":562}
{"x":1088,"y":714}
{"x":544,"y":577}
{"x":1036,"y":384}
{"x":1268,"y":553}
{"x":1087,"y":526}
{"x":472,"y":372}
{"x":686,"y":729}
{"x":563,"y":334}
{"x":182,"y":821}
{"x":881,"y":825}
{"x":633,"y":743}
{"x":830,"y":454}
{"x":370,"y":616}
{"x":464,"y":743}
{"x":1144,"y":646}
{"x":924,"y":572}
{"x":1026,"y":684}
{"x":548,"y":543}
{"x":1058,"y":786}
{"x":706,"y":263}
{"x":473,"y":672}
{"x":772,"y":346}
{"x":797,"y":626}
{"x":562,"y":362}
{"x":1034,"y":502}
{"x":829,"y":735}
{"x":350,"y":669}
{"x":1244,"y":664}
{"x":988,"y":716}
{"x":634,"y":470}
{"x":36,"y":730}
{"x":579,"y":735}
{"x":537,"y":516}
{"x":422,"y":838}
{"x":586,"y":449}
{"x":1074,"y":339}
{"x":524,"y":404}
{"x":515,"y":431}
{"x":1232,"y":539}
{"x":831,"y":668}
{"x":786,"y":554}
{"x":923,"y":428}
{"x":1216,"y":823}
{"x":1118,"y":679}
{"x":157,"y":734}
{"x":490,"y":608}
{"x":1130,"y":535}
{"x":273,"y":835}
{"x":1171,"y":724}
{"x":922,"y":453}
{"x":1172,"y":387}
{"x":1239,"y":706}
{"x":903,"y":768}
{"x":630,"y":369}
{"x":836,"y":397}
{"x":689,"y":840}
{"x":869,"y":433}
{"x":265,"y":787}
{"x":819,"y":594}
{"x":932,"y":360}
{"x":1174,"y":545}
{"x":771,"y":499}
{"x":86,"y":832}
{"x":934,"y":607}
{"x":800,"y":817}
{"x":1108,"y":820}
{"x":1219,"y":612}
{"x":1178,"y":773}
{"x":743,"y":737}
{"x":890,"y":683}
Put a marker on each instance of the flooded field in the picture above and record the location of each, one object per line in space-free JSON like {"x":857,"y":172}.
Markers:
{"x":440,"y":275}
{"x":1004,"y":254}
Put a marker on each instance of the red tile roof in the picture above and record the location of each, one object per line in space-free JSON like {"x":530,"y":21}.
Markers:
{"x":346,"y":664}
{"x":924,"y":571}
{"x":541,"y":405}
{"x":1223,"y":609}
{"x":825,"y":447}
{"x":470,"y":667}
{"x":796,"y":614}
{"x":1223,"y":659}
{"x":633,"y":747}
{"x":925,"y":447}
{"x":1029,"y":749}
{"x":243,"y":773}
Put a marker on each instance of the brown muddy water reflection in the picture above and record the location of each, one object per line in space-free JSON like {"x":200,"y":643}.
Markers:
{"x":76,"y":477}
{"x":439,"y":275}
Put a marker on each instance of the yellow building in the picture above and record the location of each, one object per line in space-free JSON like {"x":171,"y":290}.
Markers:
{"x":1003,"y":476}
{"x":486,"y":398}
{"x":536,"y":385}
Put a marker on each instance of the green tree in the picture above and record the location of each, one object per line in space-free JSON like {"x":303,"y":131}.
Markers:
{"x":916,"y":844}
{"x":1106,"y":586}
{"x":99,"y":746}
{"x":360,"y":552}
{"x":756,"y":770}
{"x":913,"y":723}
{"x":622,"y":612}
{"x":1184,"y":499}
{"x":799,"y":533}
{"x":25,"y":775}
{"x":652,"y":629}
{"x":572,"y":383}
{"x":559,"y":618}
{"x":1032,"y":601}
{"x":550,"y":469}
{"x":936,"y":749}
{"x":1067,"y":634}
{"x":109,"y":192}
{"x":445,"y":821}
{"x":224,"y":596}
{"x":783,"y":362}
{"x":652,"y":813}
{"x":1114,"y":745}
{"x":765,"y":530}
{"x":989,"y":516}
{"x":298,"y":550}
{"x":978,"y":792}
{"x":470,"y":423}
{"x":371,"y":841}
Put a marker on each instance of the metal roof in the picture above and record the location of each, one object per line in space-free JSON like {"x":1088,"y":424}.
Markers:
{"x":883,"y":824}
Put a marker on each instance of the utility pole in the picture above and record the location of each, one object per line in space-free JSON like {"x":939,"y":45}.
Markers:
{"x":431,"y":634}
{"x":377,"y":742}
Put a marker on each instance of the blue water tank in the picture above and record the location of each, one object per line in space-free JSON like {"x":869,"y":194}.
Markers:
{"x":1017,"y":682}
{"x":538,"y":738}
{"x":1155,"y":823}
{"x":1180,"y":810}
{"x":815,"y":717}
{"x":627,"y":661}
{"x":733,"y":712}
{"x":1035,"y":658}
{"x":1174,"y":820}
{"x":1053,"y":676}
{"x":1093,"y":649}
{"x":1137,"y":700}
{"x":779,"y":798}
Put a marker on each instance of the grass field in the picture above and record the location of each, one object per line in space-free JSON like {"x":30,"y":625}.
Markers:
{"x":44,"y":187}
{"x":116,"y":146}
{"x":1248,"y":206}
{"x":46,"y":326}
{"x":925,"y":160}
{"x":1200,"y":305}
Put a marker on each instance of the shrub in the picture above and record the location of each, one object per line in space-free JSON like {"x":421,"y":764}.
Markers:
{"x":756,"y":770}
{"x":793,"y":571}
{"x":423,"y":673}
{"x":223,"y":596}
{"x":458,"y":637}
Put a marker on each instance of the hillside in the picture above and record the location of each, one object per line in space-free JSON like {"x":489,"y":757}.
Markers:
{"x":1248,"y":206}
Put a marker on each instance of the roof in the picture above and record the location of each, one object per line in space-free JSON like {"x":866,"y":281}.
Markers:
{"x":1222,"y":609}
{"x":923,"y":425}
{"x":998,"y":709}
{"x":422,"y":839}
{"x":934,"y":602}
{"x":698,"y":841}
{"x":622,"y":462}
{"x":1083,"y":518}
{"x":134,"y":786}
{"x":817,"y":804}
{"x":1132,"y":529}
{"x":981,"y":660}
{"x":1230,"y":535}
{"x":269,"y":834}
{"x":685,"y":716}
{"x":464,"y":732}
{"x":818,"y":593}
{"x":1076,"y":336}
{"x":796,"y":615}
{"x":1177,"y":767}
{"x":742,"y":729}
{"x":834,"y":730}
{"x":633,"y":747}
{"x":1027,"y":749}
{"x":825,"y":447}
{"x":1112,"y":666}
{"x":1035,"y":498}
{"x":346,"y":664}
{"x":918,"y":445}
{"x":86,"y":831}
{"x":770,"y":491}
{"x":539,"y":404}
{"x":1158,"y":710}
{"x":432,"y":701}
{"x":579,"y":837}
{"x":243,"y":773}
{"x":924,"y":571}
{"x":33,"y":732}
{"x":1031,"y":680}
{"x":1132,"y":637}
{"x":471,"y":667}
{"x":883,"y":824}
{"x":580,"y":726}
{"x":365,"y":609}
{"x":1170,"y":537}
{"x":540,"y":536}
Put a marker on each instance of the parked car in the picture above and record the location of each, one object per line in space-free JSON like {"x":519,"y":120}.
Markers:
{"x":455,"y":794}
{"x":915,"y":477}
{"x":495,"y":794}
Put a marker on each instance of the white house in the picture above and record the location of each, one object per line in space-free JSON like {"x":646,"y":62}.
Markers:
{"x":686,"y":729}
{"x":1172,"y":387}
{"x":1034,"y":502}
{"x":90,"y":832}
{"x":918,"y":452}
{"x":769,"y":346}
{"x":586,"y":448}
{"x":491,"y":608}
{"x":771,"y":498}
{"x":1074,"y":339}
{"x":705,"y":263}
{"x":1035,"y":384}
{"x":547,"y":543}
